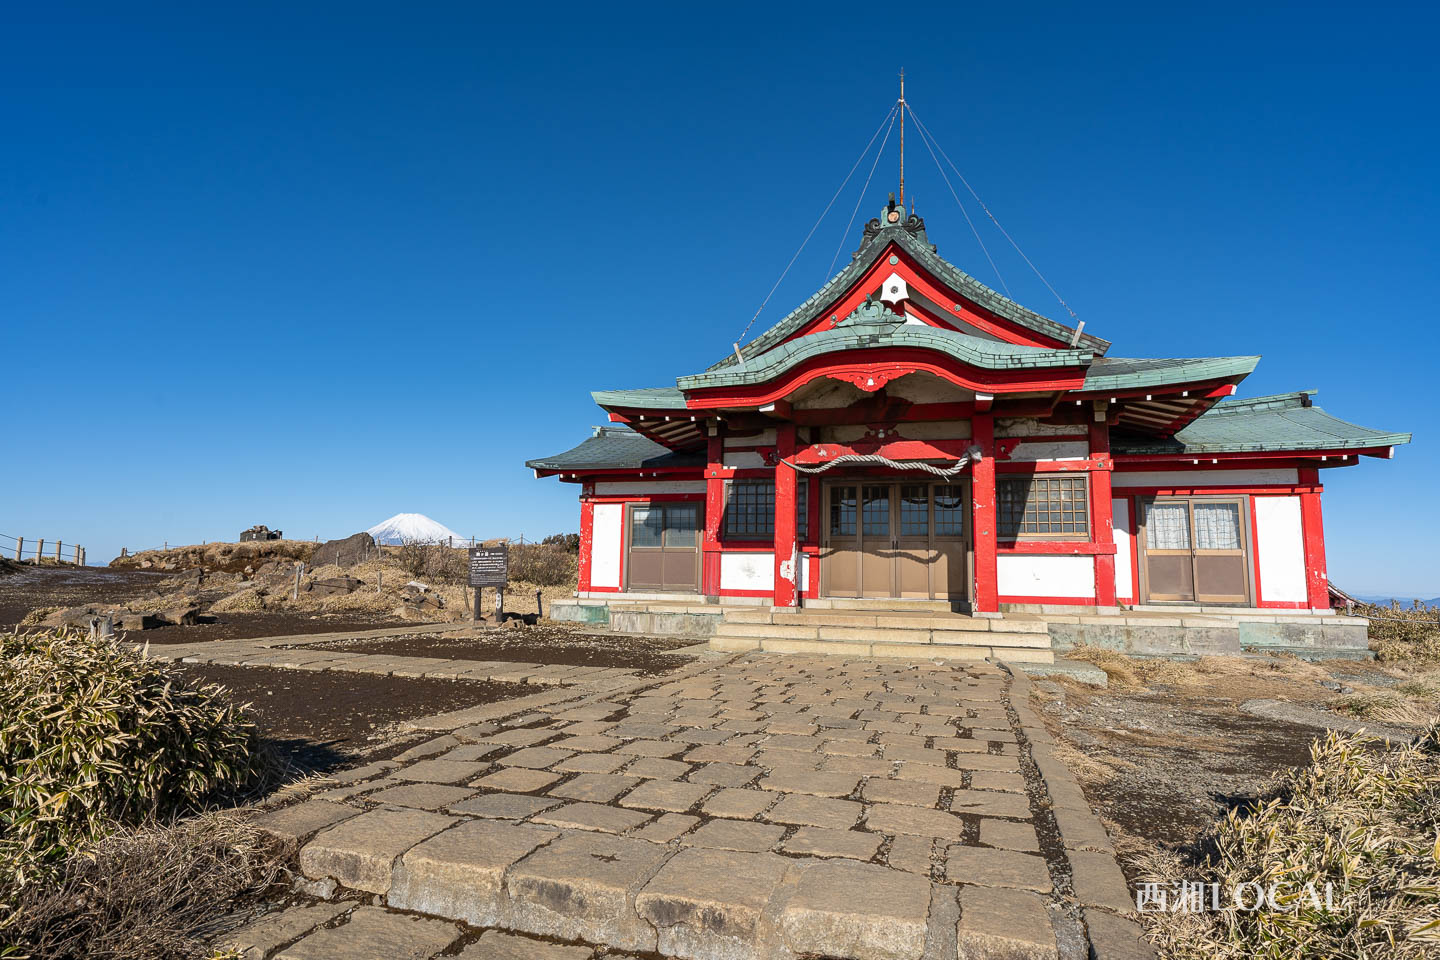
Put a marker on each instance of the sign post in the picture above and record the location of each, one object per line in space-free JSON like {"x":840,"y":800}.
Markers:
{"x":489,"y":567}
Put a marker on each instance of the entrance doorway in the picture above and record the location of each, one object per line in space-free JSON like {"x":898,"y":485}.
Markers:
{"x":664,"y":547}
{"x":1194,"y":549}
{"x":883,"y":538}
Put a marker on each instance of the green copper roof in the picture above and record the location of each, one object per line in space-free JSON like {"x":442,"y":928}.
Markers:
{"x":1288,"y":421}
{"x":1119,"y":373}
{"x":641,"y":398}
{"x":910,"y":237}
{"x":617,"y":448}
{"x":860,"y":332}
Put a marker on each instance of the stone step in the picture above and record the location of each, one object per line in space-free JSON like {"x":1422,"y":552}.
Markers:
{"x":997,"y":649}
{"x":878,"y":603}
{"x":996,"y":634}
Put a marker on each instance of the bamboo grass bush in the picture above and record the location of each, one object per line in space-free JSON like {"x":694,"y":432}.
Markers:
{"x":1364,"y":816}
{"x":93,"y":735}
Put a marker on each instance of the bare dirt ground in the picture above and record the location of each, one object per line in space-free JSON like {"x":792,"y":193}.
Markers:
{"x":66,"y":586}
{"x":326,"y":720}
{"x":543,"y":643}
{"x":1169,"y":747}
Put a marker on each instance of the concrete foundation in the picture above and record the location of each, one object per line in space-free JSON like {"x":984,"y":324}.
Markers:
{"x":1149,"y":632}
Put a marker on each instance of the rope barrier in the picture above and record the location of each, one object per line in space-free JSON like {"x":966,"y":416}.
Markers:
{"x":875,"y":458}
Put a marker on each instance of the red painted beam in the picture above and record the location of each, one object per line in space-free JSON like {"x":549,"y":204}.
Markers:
{"x":787,"y":572}
{"x":1102,"y":527}
{"x":587,"y":538}
{"x":1317,"y":579}
{"x":714,"y":511}
{"x":983,"y":516}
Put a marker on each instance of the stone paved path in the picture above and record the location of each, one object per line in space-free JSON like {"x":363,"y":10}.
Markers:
{"x":760,"y":806}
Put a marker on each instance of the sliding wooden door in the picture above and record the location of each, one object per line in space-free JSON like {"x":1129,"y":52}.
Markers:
{"x":1195,"y":549}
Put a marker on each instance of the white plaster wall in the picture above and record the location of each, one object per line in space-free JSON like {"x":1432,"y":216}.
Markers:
{"x":743,"y":459}
{"x":1207,"y":478}
{"x":1280,"y":537}
{"x":611,"y":488}
{"x":764,"y":438}
{"x":935,"y":430}
{"x":922,"y":387}
{"x":606,"y":531}
{"x":1124,"y":531}
{"x":1046,"y":575}
{"x":747,"y":571}
{"x":1051,"y":450}
{"x":1031,"y":427}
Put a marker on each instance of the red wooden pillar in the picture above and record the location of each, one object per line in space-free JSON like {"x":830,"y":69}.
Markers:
{"x":587,"y":540}
{"x":787,"y":559}
{"x":984,"y":520}
{"x":714,"y":511}
{"x":1103,"y":524}
{"x":1317,"y":580}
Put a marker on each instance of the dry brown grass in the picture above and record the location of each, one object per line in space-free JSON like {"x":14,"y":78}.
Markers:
{"x":219,"y":556}
{"x":1403,"y":636}
{"x":144,"y":892}
{"x":1233,"y":677}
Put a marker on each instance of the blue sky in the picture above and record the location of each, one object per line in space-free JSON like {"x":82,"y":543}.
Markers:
{"x":314,"y":265}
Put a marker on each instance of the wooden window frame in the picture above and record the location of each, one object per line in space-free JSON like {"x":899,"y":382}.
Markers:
{"x":802,"y":510}
{"x":1019,"y":536}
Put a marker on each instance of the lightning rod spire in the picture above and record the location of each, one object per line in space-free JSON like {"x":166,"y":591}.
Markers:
{"x":902,"y":138}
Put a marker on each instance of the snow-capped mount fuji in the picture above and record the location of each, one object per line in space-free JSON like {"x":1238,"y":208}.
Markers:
{"x":413,"y":528}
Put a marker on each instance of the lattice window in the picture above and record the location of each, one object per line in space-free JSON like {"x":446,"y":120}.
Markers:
{"x":949,"y":510}
{"x":1043,"y":507}
{"x":750,"y":509}
{"x":914,"y":510}
{"x":842,"y":511}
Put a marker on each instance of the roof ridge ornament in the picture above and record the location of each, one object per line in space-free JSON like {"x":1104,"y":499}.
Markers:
{"x":871,"y":313}
{"x":893,"y":217}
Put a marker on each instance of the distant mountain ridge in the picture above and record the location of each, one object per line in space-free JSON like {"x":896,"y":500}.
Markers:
{"x":413,"y":528}
{"x":1404,"y":601}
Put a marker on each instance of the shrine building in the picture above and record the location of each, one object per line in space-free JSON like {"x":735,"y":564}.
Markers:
{"x":911,"y":458}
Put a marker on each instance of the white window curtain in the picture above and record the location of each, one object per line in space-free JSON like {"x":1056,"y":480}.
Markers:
{"x":1217,"y":526}
{"x":1167,"y":526}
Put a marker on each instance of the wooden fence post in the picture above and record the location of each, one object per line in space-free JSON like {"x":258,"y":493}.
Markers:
{"x":39,"y":552}
{"x":58,"y":545}
{"x":19,"y":548}
{"x":77,"y":557}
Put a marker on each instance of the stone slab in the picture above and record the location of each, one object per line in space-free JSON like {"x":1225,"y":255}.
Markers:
{"x":371,"y":933}
{"x":295,"y":823}
{"x":583,"y":886}
{"x":460,"y":873}
{"x":258,"y":939}
{"x":361,"y":851}
{"x":815,"y":812}
{"x":1004,"y":925}
{"x":997,"y":868}
{"x":710,"y":903}
{"x":737,"y":835}
{"x":857,"y":911}
{"x":426,"y":796}
{"x":499,"y":945}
